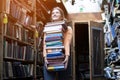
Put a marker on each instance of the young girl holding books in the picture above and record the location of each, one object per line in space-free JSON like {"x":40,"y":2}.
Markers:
{"x":57,"y":15}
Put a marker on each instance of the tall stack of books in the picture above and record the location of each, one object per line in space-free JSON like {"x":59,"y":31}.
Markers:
{"x":54,"y":45}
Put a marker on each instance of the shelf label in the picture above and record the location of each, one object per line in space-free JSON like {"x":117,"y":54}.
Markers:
{"x":36,"y":34}
{"x":5,"y":19}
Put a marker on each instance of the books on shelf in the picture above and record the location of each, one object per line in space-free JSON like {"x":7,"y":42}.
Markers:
{"x":16,"y":51}
{"x":17,"y":69}
{"x":17,"y":39}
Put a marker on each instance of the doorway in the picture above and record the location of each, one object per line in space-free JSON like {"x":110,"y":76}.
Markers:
{"x":82,"y":51}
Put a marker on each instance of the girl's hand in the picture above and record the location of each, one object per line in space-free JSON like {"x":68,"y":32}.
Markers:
{"x":66,"y":61}
{"x":46,"y":61}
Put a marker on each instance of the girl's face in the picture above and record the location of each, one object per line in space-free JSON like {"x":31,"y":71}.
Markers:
{"x":56,"y":15}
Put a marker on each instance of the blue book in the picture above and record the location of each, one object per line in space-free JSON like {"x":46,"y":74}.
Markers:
{"x":54,"y":54}
{"x":54,"y":35}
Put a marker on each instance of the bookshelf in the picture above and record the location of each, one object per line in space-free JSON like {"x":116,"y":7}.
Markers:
{"x":112,"y":33}
{"x":18,"y":49}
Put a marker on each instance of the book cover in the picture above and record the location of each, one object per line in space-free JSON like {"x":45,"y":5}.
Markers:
{"x":53,"y":37}
{"x":53,"y":50}
{"x":56,"y":67}
{"x":56,"y":57}
{"x":54,"y":43}
{"x":55,"y":47}
{"x":55,"y":26}
{"x":63,"y":23}
{"x":55,"y":61}
{"x":53,"y":54}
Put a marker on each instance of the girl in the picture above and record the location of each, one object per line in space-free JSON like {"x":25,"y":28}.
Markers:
{"x":57,"y":14}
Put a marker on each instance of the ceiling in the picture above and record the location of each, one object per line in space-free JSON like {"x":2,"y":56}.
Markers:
{"x":68,"y":6}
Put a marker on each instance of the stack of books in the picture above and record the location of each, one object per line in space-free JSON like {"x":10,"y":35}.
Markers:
{"x":54,"y":45}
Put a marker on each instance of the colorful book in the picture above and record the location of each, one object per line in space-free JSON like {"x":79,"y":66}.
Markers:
{"x":63,"y":23}
{"x":54,"y":54}
{"x":56,"y":57}
{"x":55,"y":47}
{"x":59,"y":26}
{"x":53,"y":50}
{"x":56,"y":67}
{"x":53,"y":28}
{"x":54,"y":37}
{"x":54,"y":43}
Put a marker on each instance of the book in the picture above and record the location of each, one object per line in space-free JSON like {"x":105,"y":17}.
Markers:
{"x":53,"y":28}
{"x":53,"y":54}
{"x":54,"y":43}
{"x":63,"y":23}
{"x":56,"y":67}
{"x":59,"y":26}
{"x":52,"y":35}
{"x":56,"y":57}
{"x":55,"y":47}
{"x":55,"y":61}
{"x":53,"y":50}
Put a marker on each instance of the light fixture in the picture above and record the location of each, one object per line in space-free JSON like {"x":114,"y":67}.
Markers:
{"x":73,"y":2}
{"x":58,"y":1}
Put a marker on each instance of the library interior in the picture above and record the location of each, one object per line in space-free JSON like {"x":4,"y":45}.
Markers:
{"x":59,"y":39}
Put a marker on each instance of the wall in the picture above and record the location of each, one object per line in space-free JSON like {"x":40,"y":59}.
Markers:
{"x":85,"y":17}
{"x":80,"y":6}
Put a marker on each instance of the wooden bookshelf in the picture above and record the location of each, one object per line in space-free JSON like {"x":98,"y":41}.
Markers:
{"x":19,"y":46}
{"x":17,"y":40}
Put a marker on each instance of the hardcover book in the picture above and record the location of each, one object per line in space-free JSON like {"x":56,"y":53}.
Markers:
{"x":56,"y":67}
{"x":59,"y":26}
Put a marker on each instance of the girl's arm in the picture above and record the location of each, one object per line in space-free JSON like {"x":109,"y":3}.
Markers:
{"x":67,"y":40}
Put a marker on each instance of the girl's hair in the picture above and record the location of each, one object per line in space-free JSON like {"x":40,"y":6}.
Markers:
{"x":61,"y":11}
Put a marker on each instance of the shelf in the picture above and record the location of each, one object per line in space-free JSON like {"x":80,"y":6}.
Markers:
{"x":15,"y":20}
{"x":22,"y":4}
{"x":19,"y":78}
{"x":19,"y":41}
{"x":18,"y":60}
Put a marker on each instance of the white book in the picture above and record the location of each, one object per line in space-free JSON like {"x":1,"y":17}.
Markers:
{"x":116,"y":70}
{"x":55,"y":47}
{"x":53,"y":28}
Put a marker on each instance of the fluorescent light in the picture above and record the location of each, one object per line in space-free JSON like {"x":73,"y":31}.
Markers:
{"x":58,"y":1}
